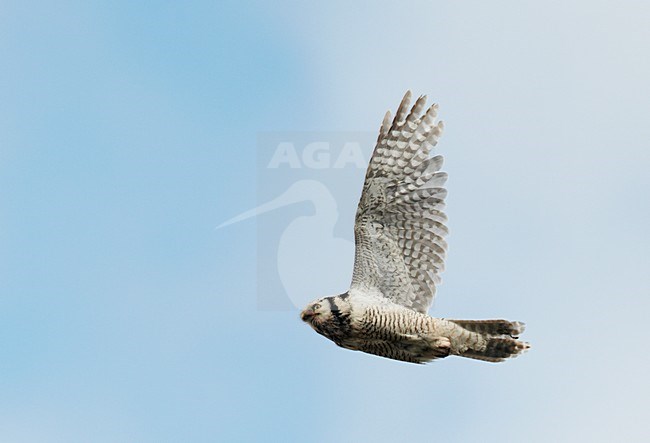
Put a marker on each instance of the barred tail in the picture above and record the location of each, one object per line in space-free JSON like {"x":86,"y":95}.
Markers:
{"x":498,"y":349}
{"x":493,"y":327}
{"x":501,"y":339}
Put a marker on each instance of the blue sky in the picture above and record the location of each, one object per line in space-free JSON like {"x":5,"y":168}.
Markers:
{"x":128,"y":131}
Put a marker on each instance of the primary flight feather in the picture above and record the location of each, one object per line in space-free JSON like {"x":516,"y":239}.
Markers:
{"x":399,"y":231}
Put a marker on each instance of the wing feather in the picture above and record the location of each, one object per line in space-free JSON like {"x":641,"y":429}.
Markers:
{"x":400,"y":225}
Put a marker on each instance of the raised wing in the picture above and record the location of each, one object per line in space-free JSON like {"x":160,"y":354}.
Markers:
{"x":400,"y":224}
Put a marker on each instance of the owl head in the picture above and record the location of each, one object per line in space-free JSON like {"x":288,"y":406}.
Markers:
{"x":328,"y":315}
{"x":317,"y":311}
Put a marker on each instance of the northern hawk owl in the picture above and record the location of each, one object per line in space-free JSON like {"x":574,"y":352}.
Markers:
{"x":399,"y":230}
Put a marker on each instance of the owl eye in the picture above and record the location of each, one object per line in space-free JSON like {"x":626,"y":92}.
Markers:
{"x":316,"y":306}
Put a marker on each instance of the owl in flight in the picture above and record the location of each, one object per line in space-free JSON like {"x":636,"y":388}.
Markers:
{"x":399,"y":232}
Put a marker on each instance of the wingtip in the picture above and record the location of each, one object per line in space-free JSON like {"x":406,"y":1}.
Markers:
{"x":402,"y":110}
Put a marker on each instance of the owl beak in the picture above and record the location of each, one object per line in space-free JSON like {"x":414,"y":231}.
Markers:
{"x":307,"y":314}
